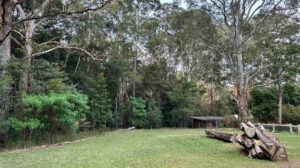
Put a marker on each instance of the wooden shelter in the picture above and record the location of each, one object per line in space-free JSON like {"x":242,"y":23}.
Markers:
{"x":205,"y":121}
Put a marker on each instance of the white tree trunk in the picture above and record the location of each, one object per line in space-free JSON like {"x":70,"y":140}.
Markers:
{"x":280,"y":103}
{"x":29,"y":28}
{"x":6,"y":25}
{"x":238,"y":54}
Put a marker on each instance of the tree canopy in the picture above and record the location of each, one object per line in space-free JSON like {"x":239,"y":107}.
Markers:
{"x":69,"y":66}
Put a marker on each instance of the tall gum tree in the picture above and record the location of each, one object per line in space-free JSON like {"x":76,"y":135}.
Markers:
{"x":35,"y":15}
{"x":6,"y":11}
{"x":239,"y":20}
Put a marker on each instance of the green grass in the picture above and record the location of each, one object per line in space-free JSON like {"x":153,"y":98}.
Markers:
{"x":149,"y":148}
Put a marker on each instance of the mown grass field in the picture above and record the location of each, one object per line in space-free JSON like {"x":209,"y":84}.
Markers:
{"x":149,"y":148}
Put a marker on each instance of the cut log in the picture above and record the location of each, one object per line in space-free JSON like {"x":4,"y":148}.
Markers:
{"x":280,"y":154}
{"x":244,"y":141}
{"x":248,"y":142}
{"x":250,"y":132}
{"x":227,"y":137}
{"x":250,"y":124}
{"x":258,"y":152}
{"x":267,"y":134}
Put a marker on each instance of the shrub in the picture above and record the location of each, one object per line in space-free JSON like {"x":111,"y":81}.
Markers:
{"x":154,"y":116}
{"x":291,"y":114}
{"x":264,"y":104}
{"x":53,"y":112}
{"x":138,"y":112}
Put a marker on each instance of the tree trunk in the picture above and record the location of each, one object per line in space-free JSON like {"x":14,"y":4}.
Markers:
{"x":280,"y":104}
{"x":29,"y":28}
{"x":242,"y":103}
{"x":136,"y":52}
{"x":237,"y":38}
{"x":6,"y":26}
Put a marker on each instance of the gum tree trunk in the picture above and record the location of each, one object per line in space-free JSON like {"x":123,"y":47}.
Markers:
{"x":280,"y":104}
{"x":29,"y":26}
{"x":6,"y":25}
{"x":238,"y":54}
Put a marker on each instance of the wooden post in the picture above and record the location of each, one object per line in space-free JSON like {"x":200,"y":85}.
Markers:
{"x":273,"y":127}
{"x":291,"y":128}
{"x":299,"y":129}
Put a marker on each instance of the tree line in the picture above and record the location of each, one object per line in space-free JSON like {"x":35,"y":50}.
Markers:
{"x":69,"y":66}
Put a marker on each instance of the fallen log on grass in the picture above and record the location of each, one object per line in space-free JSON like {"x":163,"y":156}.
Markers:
{"x":227,"y":137}
{"x":256,"y":140}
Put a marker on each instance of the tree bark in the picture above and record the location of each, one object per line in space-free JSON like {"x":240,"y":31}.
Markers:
{"x":136,"y":51}
{"x":280,"y":103}
{"x":237,"y":38}
{"x":29,"y":28}
{"x":227,"y":137}
{"x":6,"y":26}
{"x":242,"y":103}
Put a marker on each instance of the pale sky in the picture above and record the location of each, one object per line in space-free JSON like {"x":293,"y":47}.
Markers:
{"x":166,"y":1}
{"x":183,"y":4}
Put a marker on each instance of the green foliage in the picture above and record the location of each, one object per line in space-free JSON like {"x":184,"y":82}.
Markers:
{"x":100,"y":114}
{"x":47,"y":77}
{"x":154,"y":115}
{"x":181,"y":101}
{"x":59,"y":109}
{"x":5,"y":89}
{"x":291,"y":94}
{"x":138,"y":112}
{"x":264,"y":104}
{"x":30,"y":124}
{"x":50,"y":113}
{"x":291,"y":114}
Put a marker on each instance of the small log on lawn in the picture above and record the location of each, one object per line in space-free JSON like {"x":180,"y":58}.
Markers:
{"x":227,"y":137}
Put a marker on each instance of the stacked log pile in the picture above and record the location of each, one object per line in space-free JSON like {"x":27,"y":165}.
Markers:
{"x":256,"y":140}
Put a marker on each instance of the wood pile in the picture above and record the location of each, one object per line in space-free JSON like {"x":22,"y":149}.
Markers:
{"x":256,"y":140}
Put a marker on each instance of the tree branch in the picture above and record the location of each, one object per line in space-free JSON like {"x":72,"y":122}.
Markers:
{"x":66,"y":47}
{"x":262,"y":20}
{"x":66,"y":13}
{"x":17,"y":42}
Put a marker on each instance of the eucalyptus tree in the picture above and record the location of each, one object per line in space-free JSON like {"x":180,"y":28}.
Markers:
{"x":142,"y":28}
{"x":238,"y":21}
{"x":280,"y":51}
{"x":198,"y":62}
{"x":37,"y":9}
{"x":6,"y":13}
{"x":43,"y":10}
{"x":285,"y":69}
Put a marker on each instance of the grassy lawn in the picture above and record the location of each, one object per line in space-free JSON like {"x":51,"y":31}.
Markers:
{"x":149,"y":148}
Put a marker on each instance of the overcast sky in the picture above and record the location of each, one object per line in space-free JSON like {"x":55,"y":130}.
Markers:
{"x":183,"y":4}
{"x":166,"y":1}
